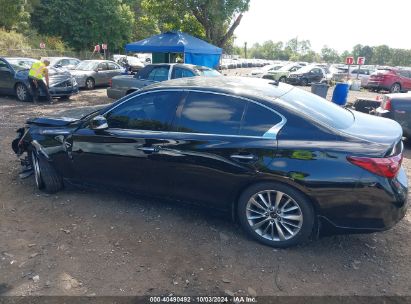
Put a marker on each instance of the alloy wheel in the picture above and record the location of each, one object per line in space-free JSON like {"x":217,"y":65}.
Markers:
{"x":89,"y":84}
{"x":274,"y":215}
{"x":21,"y":92}
{"x":395,"y":88}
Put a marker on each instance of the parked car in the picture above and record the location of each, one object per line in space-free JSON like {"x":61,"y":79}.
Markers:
{"x":133,"y":64}
{"x":14,"y":73}
{"x":91,"y":73}
{"x":397,"y":106}
{"x":126,"y":84}
{"x":282,"y":74}
{"x":307,"y":75}
{"x":390,"y":79}
{"x":260,"y":72}
{"x":63,"y":62}
{"x":259,"y":150}
{"x":363,"y":74}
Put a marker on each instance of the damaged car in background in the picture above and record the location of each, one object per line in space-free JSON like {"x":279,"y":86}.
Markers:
{"x":258,"y":150}
{"x":14,"y":81}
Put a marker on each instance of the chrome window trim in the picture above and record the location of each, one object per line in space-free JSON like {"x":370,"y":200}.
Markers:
{"x":270,"y":134}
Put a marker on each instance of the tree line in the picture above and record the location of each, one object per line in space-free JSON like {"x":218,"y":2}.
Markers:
{"x":80,"y":24}
{"x":300,"y":50}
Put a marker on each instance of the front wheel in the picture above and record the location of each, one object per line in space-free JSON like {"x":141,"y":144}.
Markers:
{"x":276,"y":214}
{"x":282,"y":79}
{"x":22,"y":92}
{"x":90,"y":83}
{"x":304,"y":82}
{"x":46,"y":177}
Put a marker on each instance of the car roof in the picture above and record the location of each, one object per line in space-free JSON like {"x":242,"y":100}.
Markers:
{"x":242,"y":86}
{"x":18,"y":58}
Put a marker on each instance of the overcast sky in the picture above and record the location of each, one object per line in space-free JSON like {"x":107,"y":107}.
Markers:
{"x":339,"y":24}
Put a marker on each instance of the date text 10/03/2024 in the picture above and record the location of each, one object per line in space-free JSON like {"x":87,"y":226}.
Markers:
{"x":203,"y":299}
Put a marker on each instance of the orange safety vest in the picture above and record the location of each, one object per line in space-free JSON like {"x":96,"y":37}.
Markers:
{"x":37,"y":70}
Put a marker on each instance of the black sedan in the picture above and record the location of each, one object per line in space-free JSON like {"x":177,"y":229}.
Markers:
{"x":14,"y":79}
{"x":397,"y":106}
{"x":282,"y":161}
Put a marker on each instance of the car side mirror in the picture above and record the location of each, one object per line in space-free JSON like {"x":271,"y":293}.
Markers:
{"x":98,"y":122}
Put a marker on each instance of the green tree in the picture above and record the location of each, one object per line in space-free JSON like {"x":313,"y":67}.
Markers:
{"x":213,"y":20}
{"x":381,"y":54}
{"x":329,"y":55}
{"x":13,"y":14}
{"x":84,"y":23}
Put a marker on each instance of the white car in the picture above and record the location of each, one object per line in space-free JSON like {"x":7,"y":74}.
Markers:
{"x":260,"y":72}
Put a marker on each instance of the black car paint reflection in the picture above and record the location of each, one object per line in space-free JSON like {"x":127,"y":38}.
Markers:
{"x":170,"y":159}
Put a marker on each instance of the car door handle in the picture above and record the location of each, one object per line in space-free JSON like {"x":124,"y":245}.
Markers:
{"x":154,"y":149}
{"x":243,"y":157}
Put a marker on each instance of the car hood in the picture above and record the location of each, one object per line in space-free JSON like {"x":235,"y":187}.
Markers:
{"x":374,"y":129}
{"x":55,"y":75}
{"x":51,"y":121}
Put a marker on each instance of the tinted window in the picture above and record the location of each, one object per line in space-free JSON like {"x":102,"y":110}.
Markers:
{"x":318,"y":108}
{"x":3,"y":66}
{"x":112,"y":66}
{"x":102,"y":66}
{"x":258,"y":120}
{"x":153,"y":111}
{"x":211,"y":114}
{"x":181,"y":73}
{"x":158,"y":74}
{"x":404,"y":73}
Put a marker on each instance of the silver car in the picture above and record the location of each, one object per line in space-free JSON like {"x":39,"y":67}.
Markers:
{"x":91,"y":73}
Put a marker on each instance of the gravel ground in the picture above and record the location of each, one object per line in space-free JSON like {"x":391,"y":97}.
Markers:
{"x":85,"y":241}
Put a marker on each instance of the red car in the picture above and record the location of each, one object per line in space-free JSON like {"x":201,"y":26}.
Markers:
{"x":390,"y":79}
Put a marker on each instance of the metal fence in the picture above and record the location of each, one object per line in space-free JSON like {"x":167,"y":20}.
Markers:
{"x":38,"y":53}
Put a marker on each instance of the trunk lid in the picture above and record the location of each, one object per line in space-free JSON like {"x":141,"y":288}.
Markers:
{"x":378,"y":130}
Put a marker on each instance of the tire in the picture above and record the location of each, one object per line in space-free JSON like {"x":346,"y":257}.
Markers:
{"x":22,"y":92}
{"x":90,"y":83}
{"x":395,"y":88}
{"x":282,"y":79}
{"x":293,"y":230}
{"x":46,"y":177}
{"x":304,"y":82}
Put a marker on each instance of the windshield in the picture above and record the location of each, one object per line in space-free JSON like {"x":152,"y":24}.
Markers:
{"x":20,"y":64}
{"x":318,"y":108}
{"x":209,"y":72}
{"x":87,"y":65}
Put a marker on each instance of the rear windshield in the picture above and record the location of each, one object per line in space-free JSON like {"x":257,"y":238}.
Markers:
{"x":318,"y":108}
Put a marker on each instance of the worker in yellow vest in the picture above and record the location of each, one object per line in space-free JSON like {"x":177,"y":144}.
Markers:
{"x":39,"y":79}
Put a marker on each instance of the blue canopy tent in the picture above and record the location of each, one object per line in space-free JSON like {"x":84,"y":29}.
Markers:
{"x":196,"y":51}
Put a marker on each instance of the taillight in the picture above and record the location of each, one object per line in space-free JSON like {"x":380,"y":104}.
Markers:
{"x":387,"y":167}
{"x":110,"y":82}
{"x":387,"y":104}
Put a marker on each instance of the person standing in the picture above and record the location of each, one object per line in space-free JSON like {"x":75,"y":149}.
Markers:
{"x":39,"y":79}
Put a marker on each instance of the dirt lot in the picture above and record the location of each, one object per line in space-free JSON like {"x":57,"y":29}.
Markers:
{"x":94,"y":242}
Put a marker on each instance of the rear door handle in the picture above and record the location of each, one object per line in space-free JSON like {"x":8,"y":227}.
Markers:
{"x":154,"y":149}
{"x":243,"y":157}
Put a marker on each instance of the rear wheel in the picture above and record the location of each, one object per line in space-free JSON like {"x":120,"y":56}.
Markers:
{"x":46,"y":177}
{"x":282,"y":79}
{"x":65,"y":97}
{"x":22,"y":92}
{"x":276,"y":214}
{"x":90,"y":83}
{"x":395,"y":88}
